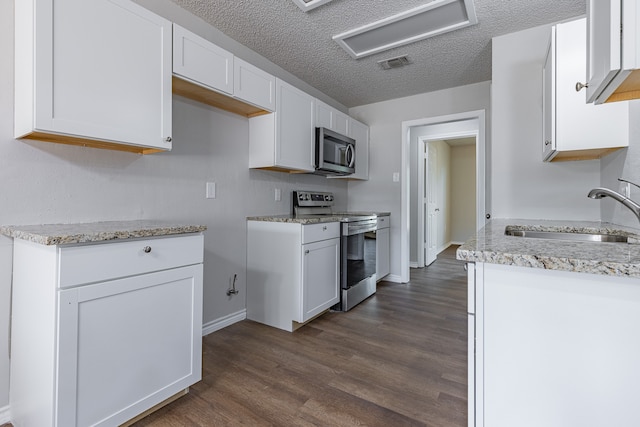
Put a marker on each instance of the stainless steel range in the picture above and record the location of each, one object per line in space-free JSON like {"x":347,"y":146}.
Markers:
{"x":357,"y":245}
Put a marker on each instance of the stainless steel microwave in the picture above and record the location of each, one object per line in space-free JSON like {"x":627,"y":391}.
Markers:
{"x":335,"y":153}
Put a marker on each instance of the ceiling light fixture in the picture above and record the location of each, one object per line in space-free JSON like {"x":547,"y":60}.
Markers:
{"x":428,"y":20}
{"x":307,"y":5}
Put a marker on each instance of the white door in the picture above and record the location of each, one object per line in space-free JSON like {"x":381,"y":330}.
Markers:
{"x":430,"y":204}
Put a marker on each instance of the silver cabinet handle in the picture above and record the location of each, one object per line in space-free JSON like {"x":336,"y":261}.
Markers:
{"x":466,"y":266}
{"x":306,"y":252}
{"x":168,"y":139}
{"x":146,"y":249}
{"x":547,"y":142}
{"x":579,"y":86}
{"x":324,"y":228}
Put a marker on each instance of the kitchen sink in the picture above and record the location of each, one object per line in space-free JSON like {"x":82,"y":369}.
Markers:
{"x":562,"y":235}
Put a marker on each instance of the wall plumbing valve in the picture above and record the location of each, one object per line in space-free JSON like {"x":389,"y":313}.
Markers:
{"x":233,"y":290}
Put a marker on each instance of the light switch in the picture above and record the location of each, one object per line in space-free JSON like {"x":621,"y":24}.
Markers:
{"x":396,"y":177}
{"x":278,"y":195}
{"x":211,"y":190}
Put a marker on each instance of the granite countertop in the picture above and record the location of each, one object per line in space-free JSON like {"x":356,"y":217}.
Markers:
{"x":313,"y":219}
{"x":64,"y":234}
{"x":301,"y":219}
{"x":491,"y":245}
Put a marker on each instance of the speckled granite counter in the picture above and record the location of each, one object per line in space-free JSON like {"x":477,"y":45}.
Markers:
{"x":312,"y":219}
{"x":491,"y":245}
{"x":63,"y":234}
{"x":303,"y":219}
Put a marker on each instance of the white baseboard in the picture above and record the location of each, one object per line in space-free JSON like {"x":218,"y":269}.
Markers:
{"x":223,"y":322}
{"x":5,"y":415}
{"x":413,"y":264}
{"x":456,"y":243}
{"x":392,"y":278}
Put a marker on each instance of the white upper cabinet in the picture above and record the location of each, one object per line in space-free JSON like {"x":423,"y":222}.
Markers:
{"x":285,"y":140}
{"x":613,"y":65}
{"x":201,"y":61}
{"x":94,"y":73}
{"x":253,"y":85}
{"x":209,"y":74}
{"x":330,"y":118}
{"x":572,"y":129}
{"x":359,"y":132}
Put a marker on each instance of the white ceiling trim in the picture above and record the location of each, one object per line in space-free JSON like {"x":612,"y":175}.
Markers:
{"x":307,"y":5}
{"x":419,"y":23}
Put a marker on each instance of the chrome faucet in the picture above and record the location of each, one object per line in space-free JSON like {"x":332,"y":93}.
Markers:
{"x":599,"y":193}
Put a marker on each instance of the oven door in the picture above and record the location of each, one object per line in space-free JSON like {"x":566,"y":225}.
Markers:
{"x":358,"y":252}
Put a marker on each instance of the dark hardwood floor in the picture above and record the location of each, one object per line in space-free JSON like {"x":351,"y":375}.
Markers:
{"x":397,"y":359}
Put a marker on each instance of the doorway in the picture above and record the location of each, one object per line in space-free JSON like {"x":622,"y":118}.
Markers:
{"x":444,"y":210}
{"x":455,"y":126}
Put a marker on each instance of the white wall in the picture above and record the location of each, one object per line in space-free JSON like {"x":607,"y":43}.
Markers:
{"x":463,"y":189}
{"x":52,"y":183}
{"x":522,"y":185}
{"x":623,"y":164}
{"x":385,"y":156}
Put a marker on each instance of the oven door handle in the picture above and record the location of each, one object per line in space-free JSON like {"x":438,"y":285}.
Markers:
{"x":360,"y":229}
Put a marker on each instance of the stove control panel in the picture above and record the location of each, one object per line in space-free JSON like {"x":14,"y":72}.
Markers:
{"x":308,"y":198}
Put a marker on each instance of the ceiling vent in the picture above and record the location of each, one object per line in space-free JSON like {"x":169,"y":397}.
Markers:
{"x":307,"y":5}
{"x":431,"y":19}
{"x":397,"y":62}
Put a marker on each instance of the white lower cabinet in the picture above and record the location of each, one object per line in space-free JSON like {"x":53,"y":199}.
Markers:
{"x":102,"y":352}
{"x":292,"y":271}
{"x":382,"y":247}
{"x":555,"y":348}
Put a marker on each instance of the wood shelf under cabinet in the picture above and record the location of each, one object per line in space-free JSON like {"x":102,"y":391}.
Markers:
{"x":87,"y":142}
{"x":199,"y":93}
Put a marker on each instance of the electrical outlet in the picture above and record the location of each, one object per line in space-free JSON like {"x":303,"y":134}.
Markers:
{"x":396,"y":177}
{"x":211,"y":190}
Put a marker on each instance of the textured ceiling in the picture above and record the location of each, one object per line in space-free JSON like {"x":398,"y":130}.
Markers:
{"x":302,"y":43}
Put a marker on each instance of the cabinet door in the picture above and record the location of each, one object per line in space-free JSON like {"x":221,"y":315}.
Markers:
{"x":382,"y":253}
{"x":320,"y":277}
{"x":330,"y":118}
{"x":253,"y":85}
{"x":548,"y":100}
{"x":295,"y":128}
{"x":603,"y":45}
{"x":127,"y":345}
{"x":340,"y":123}
{"x":103,"y":71}
{"x":360,"y":132}
{"x":323,"y":115}
{"x":201,"y":61}
{"x":576,"y":126}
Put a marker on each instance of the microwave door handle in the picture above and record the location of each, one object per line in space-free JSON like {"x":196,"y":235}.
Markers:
{"x":353,"y":155}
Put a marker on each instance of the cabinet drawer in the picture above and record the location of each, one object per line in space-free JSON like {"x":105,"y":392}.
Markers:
{"x":383,"y":222}
{"x":317,"y":232}
{"x":98,"y":262}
